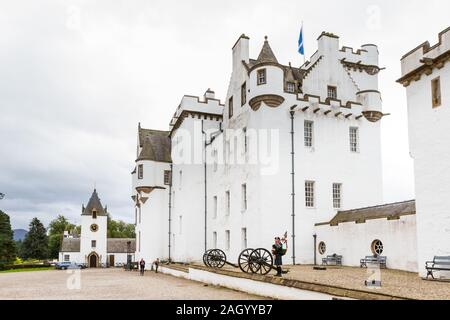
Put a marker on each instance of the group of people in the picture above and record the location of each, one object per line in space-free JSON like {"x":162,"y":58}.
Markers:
{"x":142,"y":266}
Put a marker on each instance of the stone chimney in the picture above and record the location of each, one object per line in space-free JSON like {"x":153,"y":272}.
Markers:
{"x":241,"y":51}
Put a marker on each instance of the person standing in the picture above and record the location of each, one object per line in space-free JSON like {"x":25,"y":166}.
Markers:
{"x":278,"y":251}
{"x":142,"y":266}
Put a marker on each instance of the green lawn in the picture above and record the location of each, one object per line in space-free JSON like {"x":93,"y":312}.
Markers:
{"x":27,"y":269}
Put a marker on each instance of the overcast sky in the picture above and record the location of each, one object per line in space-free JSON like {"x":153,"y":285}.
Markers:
{"x":77,"y":76}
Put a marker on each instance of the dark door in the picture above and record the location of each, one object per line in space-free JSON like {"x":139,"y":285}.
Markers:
{"x":93,"y":261}
{"x":111,"y":260}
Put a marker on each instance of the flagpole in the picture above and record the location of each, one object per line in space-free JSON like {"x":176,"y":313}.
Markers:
{"x":304,"y":52}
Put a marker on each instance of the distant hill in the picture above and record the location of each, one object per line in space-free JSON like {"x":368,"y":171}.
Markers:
{"x":19,"y":234}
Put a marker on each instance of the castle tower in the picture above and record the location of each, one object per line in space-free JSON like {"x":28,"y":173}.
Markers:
{"x":94,"y":221}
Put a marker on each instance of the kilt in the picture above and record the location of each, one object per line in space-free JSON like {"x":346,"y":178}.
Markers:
{"x":278,"y":260}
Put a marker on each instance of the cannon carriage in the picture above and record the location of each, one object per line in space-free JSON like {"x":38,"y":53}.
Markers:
{"x":256,"y":261}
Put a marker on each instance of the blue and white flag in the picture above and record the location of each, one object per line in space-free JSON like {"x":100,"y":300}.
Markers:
{"x":301,"y":48}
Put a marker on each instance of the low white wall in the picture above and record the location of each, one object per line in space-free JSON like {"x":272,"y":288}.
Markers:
{"x":353,"y":241}
{"x":249,"y":286}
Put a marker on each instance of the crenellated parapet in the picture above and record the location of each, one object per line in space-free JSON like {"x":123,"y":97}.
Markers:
{"x":424,"y":59}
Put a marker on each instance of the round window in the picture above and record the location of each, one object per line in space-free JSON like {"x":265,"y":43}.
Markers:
{"x":94,"y":227}
{"x":322,"y":247}
{"x":377,"y":247}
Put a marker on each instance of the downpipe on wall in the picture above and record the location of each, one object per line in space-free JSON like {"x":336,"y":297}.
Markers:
{"x":292,"y":112}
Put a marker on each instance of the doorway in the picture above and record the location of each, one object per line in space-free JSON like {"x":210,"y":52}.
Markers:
{"x":111,"y":260}
{"x":93,"y":260}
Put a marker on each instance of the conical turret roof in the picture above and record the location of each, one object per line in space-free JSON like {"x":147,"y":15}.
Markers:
{"x":94,"y":204}
{"x":266,"y":55}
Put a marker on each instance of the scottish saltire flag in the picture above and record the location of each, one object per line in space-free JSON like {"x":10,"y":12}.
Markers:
{"x":301,"y":48}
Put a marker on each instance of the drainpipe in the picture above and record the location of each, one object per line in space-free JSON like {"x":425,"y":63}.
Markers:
{"x":315,"y":253}
{"x":170,"y":212}
{"x":293,"y":183}
{"x":206,"y":195}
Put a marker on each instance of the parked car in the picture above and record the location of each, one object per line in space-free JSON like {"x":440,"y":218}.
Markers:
{"x":68,"y":265}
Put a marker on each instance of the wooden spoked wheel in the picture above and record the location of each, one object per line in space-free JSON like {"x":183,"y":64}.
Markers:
{"x":205,"y":255}
{"x":261,"y":261}
{"x":216,"y":258}
{"x":244,"y":261}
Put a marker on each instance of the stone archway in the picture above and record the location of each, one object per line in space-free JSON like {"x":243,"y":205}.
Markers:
{"x":93,"y":260}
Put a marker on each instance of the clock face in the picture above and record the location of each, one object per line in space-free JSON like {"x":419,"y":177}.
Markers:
{"x":94,"y":227}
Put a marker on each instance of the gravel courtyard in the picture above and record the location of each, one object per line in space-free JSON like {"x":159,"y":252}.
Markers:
{"x":108,"y":284}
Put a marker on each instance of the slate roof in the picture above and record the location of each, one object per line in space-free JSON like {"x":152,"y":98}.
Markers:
{"x":266,"y":55}
{"x":391,"y":211}
{"x":113,"y":245}
{"x":70,"y":245}
{"x":94,"y":203}
{"x":120,"y":245}
{"x":156,"y":145}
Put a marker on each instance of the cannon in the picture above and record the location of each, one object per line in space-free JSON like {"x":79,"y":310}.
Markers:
{"x":257,"y":261}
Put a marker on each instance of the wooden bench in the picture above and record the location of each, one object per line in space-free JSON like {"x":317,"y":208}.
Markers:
{"x":332,"y":260}
{"x":380,"y":260}
{"x":439,"y":263}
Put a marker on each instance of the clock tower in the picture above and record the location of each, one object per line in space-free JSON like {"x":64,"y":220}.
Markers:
{"x":94,"y":222}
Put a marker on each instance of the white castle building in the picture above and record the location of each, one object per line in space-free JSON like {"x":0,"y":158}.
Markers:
{"x":426,"y":76}
{"x":93,"y":248}
{"x":291,"y":149}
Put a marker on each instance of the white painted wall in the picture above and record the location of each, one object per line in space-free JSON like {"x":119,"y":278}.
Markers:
{"x":353,"y":241}
{"x":429,"y":137}
{"x":99,"y":236}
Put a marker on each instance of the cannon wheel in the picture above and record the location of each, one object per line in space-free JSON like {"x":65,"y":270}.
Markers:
{"x":244,"y":261}
{"x":205,"y":255}
{"x":262,"y":261}
{"x":216,"y":258}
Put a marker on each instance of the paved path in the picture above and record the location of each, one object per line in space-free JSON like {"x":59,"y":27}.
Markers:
{"x":108,"y":284}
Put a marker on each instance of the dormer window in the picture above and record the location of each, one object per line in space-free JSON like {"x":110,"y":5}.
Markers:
{"x":332,"y":92}
{"x":290,"y":87}
{"x":94,"y":214}
{"x":261,"y":77}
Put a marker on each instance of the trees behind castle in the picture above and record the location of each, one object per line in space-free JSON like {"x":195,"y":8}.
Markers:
{"x":7,"y":248}
{"x":56,"y":230}
{"x":35,"y":244}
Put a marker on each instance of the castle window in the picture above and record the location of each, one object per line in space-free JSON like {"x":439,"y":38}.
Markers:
{"x":244,"y":238}
{"x":354,"y":137}
{"x":228,"y":205}
{"x":93,"y":243}
{"x":261,"y":77}
{"x":227,"y":240}
{"x":66,"y":257}
{"x":377,"y":247}
{"x":140,"y":171}
{"x":245,"y":140}
{"x":167,"y":177}
{"x":309,"y":194}
{"x":290,"y":86}
{"x":94,"y":214}
{"x":244,"y":197}
{"x":215,"y":207}
{"x":332,"y":92}
{"x":436,"y":92}
{"x":308,"y":132}
{"x":337,"y":187}
{"x":322,"y":247}
{"x":230,"y":108}
{"x":243,"y":93}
